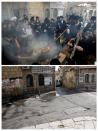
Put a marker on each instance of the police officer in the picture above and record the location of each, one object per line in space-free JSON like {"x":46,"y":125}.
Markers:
{"x":57,"y":31}
{"x":73,"y":26}
{"x":37,"y":27}
{"x":25,"y":18}
{"x":63,"y":30}
{"x":45,"y":26}
{"x":32,"y":23}
{"x":62,"y":24}
{"x":51,"y":28}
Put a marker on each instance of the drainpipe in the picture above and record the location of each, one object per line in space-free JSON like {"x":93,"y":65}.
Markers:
{"x":53,"y":79}
{"x":77,"y":77}
{"x":35,"y":80}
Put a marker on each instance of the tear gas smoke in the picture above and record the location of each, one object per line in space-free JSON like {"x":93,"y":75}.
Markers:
{"x":31,"y":49}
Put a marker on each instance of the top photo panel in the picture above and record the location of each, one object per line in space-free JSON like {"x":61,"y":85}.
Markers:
{"x":48,"y":33}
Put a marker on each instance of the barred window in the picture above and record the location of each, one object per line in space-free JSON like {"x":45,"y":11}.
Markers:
{"x":47,"y":13}
{"x":92,"y":78}
{"x":55,"y":13}
{"x":29,"y":80}
{"x":87,"y":78}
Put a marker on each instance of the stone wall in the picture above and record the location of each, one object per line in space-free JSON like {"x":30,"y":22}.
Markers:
{"x":11,"y":72}
{"x":17,"y":72}
{"x":69,"y":78}
{"x":10,"y":9}
{"x":91,"y":71}
{"x":36,"y":9}
{"x":76,"y":77}
{"x":35,"y":76}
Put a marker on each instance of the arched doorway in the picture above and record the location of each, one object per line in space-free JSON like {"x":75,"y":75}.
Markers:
{"x":29,"y":80}
{"x":87,"y":78}
{"x":41,"y":79}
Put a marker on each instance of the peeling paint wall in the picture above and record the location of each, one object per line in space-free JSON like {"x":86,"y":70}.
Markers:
{"x":69,"y":79}
{"x":75,"y":77}
{"x":13,"y":72}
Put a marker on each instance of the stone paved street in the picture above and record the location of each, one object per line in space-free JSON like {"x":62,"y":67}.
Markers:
{"x":76,"y":123}
{"x":76,"y":110}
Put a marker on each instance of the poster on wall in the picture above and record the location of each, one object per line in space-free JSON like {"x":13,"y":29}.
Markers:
{"x":81,"y":79}
{"x":48,"y":81}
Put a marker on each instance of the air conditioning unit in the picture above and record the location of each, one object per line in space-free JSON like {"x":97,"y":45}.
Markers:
{"x":26,"y":67}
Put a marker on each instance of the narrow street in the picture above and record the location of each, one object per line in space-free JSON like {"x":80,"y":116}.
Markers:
{"x":60,"y":91}
{"x":49,"y":108}
{"x":63,"y":91}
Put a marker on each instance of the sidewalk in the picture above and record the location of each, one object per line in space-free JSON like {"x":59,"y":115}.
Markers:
{"x":43,"y":110}
{"x":75,"y":123}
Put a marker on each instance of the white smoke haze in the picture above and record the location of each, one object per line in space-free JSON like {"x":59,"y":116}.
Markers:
{"x":32,"y":49}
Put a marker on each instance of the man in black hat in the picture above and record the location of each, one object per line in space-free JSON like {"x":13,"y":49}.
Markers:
{"x":32,"y":23}
{"x":73,"y":26}
{"x":62,"y":24}
{"x":57,"y":30}
{"x":25,"y":18}
{"x":45,"y":27}
{"x":37,"y":27}
{"x":51,"y":28}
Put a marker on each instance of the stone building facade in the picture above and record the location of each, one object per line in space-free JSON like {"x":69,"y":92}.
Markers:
{"x":41,"y":77}
{"x":86,"y":76}
{"x":85,"y":9}
{"x":41,"y":9}
{"x":79,"y":77}
{"x":9,"y":72}
{"x":48,"y":9}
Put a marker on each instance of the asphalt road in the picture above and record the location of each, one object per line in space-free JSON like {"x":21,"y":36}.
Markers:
{"x":48,"y":108}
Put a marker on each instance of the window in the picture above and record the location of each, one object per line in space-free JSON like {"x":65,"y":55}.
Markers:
{"x":41,"y":80}
{"x":48,"y":81}
{"x":91,"y":12}
{"x":29,"y":80}
{"x":47,"y":13}
{"x":55,"y":13}
{"x":87,"y":78}
{"x":92,"y":78}
{"x":16,"y":13}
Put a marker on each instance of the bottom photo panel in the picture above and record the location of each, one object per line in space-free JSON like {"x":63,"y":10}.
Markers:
{"x":49,"y":97}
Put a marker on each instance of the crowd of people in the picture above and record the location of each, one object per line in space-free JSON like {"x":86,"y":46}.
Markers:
{"x":63,"y":33}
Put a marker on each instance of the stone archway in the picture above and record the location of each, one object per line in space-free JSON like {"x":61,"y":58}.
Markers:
{"x":87,"y":78}
{"x":29,"y":80}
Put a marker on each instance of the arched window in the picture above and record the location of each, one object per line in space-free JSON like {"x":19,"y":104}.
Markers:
{"x":47,"y":13}
{"x":87,"y":78}
{"x":55,"y":13}
{"x":41,"y":80}
{"x":29,"y":80}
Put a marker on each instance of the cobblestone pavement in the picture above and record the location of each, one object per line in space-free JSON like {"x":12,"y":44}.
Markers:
{"x":49,"y":108}
{"x":75,"y":123}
